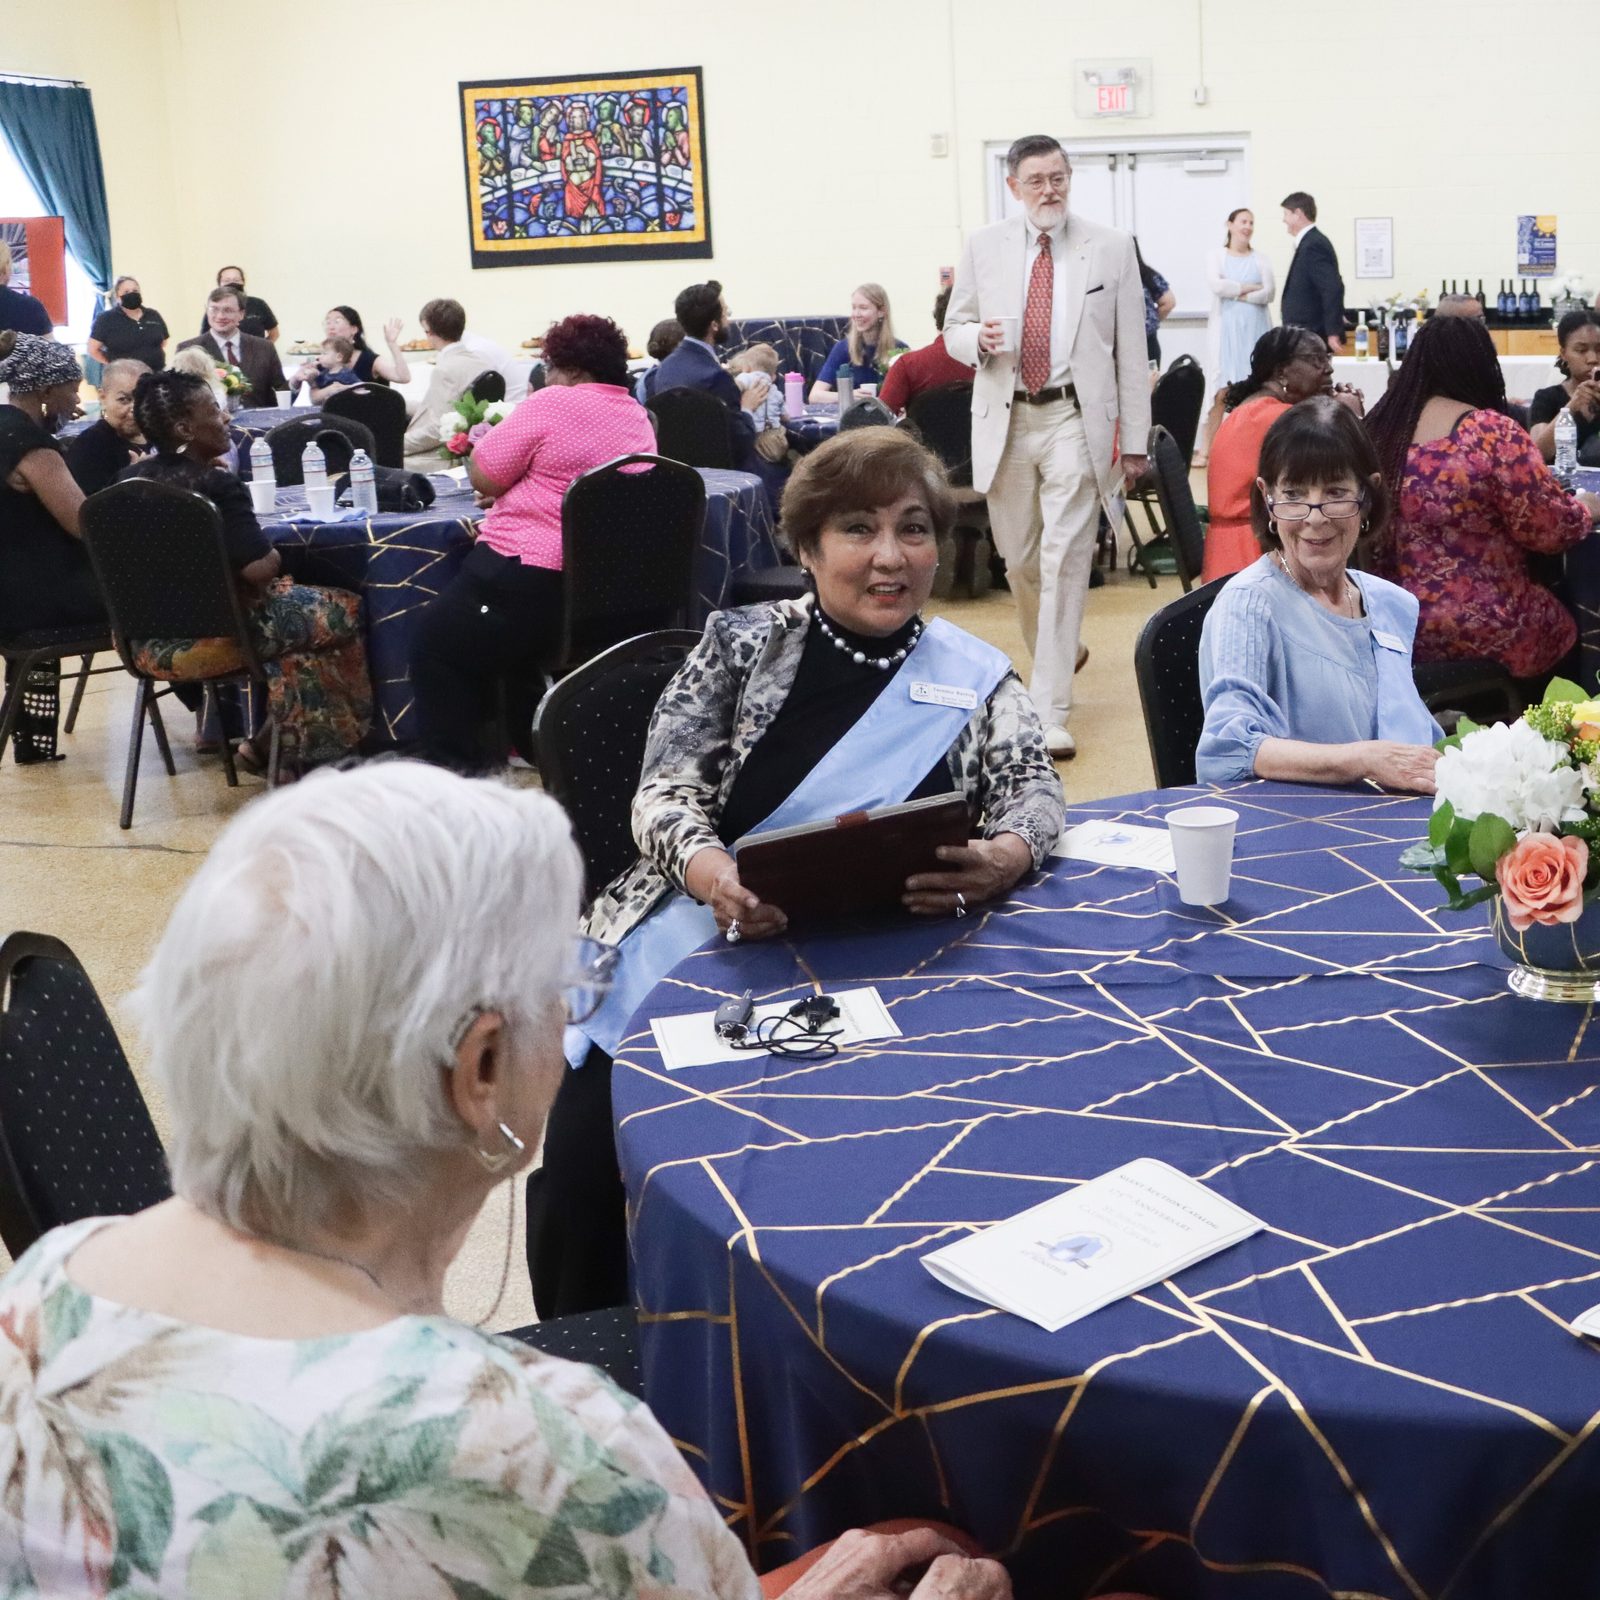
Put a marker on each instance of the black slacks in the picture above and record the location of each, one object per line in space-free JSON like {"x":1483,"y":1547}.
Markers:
{"x":497,"y":622}
{"x":577,"y":1209}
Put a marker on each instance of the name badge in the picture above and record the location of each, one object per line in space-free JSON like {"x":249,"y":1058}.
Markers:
{"x":944,"y":694}
{"x":1389,"y":641}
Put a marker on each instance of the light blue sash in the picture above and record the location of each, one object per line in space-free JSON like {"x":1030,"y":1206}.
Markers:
{"x":878,"y":763}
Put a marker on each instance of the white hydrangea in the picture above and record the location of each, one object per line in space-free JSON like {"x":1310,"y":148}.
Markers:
{"x":1514,"y":772}
{"x":496,"y":411}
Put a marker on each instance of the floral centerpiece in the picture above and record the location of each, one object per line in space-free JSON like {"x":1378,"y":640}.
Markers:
{"x":467,"y":424}
{"x":1518,"y":807}
{"x":235,"y":386}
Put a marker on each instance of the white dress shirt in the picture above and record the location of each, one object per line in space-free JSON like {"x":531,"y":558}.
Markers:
{"x":1060,"y":344}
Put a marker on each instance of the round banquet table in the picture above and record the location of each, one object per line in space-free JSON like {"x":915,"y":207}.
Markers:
{"x":817,"y":426}
{"x":1378,"y":1395}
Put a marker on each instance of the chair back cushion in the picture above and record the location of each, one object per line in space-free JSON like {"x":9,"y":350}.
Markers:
{"x":490,"y":384}
{"x":867,"y":412}
{"x":1177,"y":401}
{"x":161,"y":563}
{"x":592,"y":728}
{"x":629,"y":534}
{"x":943,"y":420}
{"x":288,"y":441}
{"x":693,"y":427}
{"x":1178,"y":510}
{"x":76,"y":1139}
{"x":382,"y":411}
{"x":1166,"y":664}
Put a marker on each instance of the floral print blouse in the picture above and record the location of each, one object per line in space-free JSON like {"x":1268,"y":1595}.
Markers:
{"x":1472,"y":505}
{"x":142,"y":1457}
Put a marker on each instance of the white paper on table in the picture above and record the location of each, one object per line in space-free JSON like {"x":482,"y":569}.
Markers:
{"x":691,"y":1041}
{"x":1587,"y":1323}
{"x":1108,"y":1238}
{"x":1118,"y":844}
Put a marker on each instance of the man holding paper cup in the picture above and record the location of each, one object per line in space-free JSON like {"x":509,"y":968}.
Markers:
{"x":1050,"y":310}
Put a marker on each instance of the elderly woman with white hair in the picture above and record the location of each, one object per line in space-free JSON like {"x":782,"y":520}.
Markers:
{"x":252,"y":1387}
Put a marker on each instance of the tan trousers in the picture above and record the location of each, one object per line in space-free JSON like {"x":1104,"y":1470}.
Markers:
{"x":1044,"y":507}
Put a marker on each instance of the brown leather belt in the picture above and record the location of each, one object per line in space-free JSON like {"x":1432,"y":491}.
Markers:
{"x":1046,"y":397}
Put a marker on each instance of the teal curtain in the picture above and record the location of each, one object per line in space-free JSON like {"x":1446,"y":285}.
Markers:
{"x":51,"y":130}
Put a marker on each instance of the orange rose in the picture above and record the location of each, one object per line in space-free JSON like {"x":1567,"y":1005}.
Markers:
{"x":1541,"y":879}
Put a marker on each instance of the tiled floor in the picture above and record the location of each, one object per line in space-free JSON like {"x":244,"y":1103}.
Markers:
{"x":67,"y":869}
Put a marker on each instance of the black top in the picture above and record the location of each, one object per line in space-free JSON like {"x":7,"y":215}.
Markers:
{"x":830,"y":694}
{"x":132,"y":338}
{"x":258,"y":317}
{"x":1547,"y":404}
{"x":45,"y":577}
{"x":24,"y":313}
{"x":241,"y":533}
{"x":365,"y":363}
{"x":97,"y":456}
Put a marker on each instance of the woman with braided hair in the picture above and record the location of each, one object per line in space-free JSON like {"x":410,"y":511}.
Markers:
{"x":309,"y":639}
{"x":1287,"y":365}
{"x":1472,"y":499}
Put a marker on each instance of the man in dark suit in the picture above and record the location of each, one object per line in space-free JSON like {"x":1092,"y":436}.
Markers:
{"x":225,"y":340}
{"x":1313,"y":293}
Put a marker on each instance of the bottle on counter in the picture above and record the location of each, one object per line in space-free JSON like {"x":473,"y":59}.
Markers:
{"x":1401,"y":337}
{"x":363,"y":483}
{"x":1483,"y":304}
{"x":1566,"y":431}
{"x":1363,"y":338}
{"x":1525,"y":302}
{"x":1383,"y":333}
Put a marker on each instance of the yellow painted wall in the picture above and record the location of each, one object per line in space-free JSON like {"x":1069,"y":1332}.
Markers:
{"x":224,"y":142}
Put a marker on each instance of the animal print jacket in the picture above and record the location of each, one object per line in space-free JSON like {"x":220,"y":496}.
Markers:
{"x":724,"y":698}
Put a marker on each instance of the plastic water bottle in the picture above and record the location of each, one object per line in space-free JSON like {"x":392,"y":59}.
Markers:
{"x":794,"y":394}
{"x":363,"y":483}
{"x":261,"y":468}
{"x":1566,"y":462}
{"x":313,"y":467}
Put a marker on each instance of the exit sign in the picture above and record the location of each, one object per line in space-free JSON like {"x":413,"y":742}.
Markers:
{"x":1112,"y":88}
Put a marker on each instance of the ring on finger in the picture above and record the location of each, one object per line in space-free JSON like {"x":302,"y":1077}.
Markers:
{"x":733,"y":935}
{"x":961,"y":904}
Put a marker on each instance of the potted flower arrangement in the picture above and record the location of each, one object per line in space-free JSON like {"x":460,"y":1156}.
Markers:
{"x":1518,"y":807}
{"x":235,"y":386}
{"x":466,"y":424}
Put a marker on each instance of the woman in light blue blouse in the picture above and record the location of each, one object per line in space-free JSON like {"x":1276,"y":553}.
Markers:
{"x":1305,"y":666}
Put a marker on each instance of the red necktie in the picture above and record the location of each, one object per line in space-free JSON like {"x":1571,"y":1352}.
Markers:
{"x":233,"y":360}
{"x":1035,"y":366}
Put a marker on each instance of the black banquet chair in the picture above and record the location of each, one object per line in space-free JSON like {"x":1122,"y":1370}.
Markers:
{"x":1178,"y":511}
{"x":942,"y":419}
{"x":32,"y":684}
{"x":1166,"y":666}
{"x":630,"y":531}
{"x":867,"y":412}
{"x":591,"y":732}
{"x":163,"y":570}
{"x":1175,"y":406}
{"x":692,"y":427}
{"x":76,"y":1139}
{"x":490,"y":384}
{"x":380,"y":410}
{"x":338,"y":437}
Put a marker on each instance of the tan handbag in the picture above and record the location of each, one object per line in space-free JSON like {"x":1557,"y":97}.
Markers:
{"x":772,"y":444}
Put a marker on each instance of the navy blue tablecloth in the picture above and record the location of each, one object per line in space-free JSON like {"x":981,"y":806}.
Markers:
{"x":817,"y":426}
{"x":398,"y":561}
{"x":1376,"y":1396}
{"x":802,"y":342}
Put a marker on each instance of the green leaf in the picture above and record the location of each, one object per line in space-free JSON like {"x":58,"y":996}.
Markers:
{"x":66,"y":1314}
{"x":601,"y":1502}
{"x":558,"y":1562}
{"x":1457,"y":848}
{"x":1564,"y":691}
{"x":1473,"y":897}
{"x":238,"y":1555}
{"x":141,"y":1503}
{"x":1439,"y":824}
{"x":231,"y":1442}
{"x":409,"y":1458}
{"x":1491,"y":837}
{"x":1465,"y":725}
{"x":1421,"y":857}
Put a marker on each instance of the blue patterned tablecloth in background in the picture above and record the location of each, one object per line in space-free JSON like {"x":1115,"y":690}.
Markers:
{"x":1377,"y":1396}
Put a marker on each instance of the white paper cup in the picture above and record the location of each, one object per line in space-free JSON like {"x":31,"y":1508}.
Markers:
{"x":264,"y":497}
{"x":282,"y":398}
{"x":1202,"y":846}
{"x":867,"y":391}
{"x":321,"y":502}
{"x":1008,"y":333}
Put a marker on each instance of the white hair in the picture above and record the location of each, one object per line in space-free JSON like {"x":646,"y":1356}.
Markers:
{"x":320,"y":968}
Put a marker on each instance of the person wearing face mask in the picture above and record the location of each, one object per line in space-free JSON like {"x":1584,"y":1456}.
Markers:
{"x":226,"y":340}
{"x":1305,"y":666}
{"x":1050,"y":310}
{"x":130,"y":330}
{"x":99,"y":455}
{"x":259,"y":319}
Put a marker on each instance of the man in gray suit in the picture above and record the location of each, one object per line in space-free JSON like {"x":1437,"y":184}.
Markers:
{"x":1050,"y":310}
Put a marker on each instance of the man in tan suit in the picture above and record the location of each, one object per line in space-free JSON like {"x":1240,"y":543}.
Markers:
{"x":224,"y":340}
{"x":1050,"y":310}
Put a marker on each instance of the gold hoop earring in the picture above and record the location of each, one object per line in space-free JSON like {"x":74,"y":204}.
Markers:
{"x":496,"y":1161}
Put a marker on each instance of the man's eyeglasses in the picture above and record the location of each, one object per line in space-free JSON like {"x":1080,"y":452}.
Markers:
{"x":593,"y":964}
{"x":1038,"y":185}
{"x":1340,"y":510}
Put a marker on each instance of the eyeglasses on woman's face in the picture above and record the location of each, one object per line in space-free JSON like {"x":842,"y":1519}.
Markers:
{"x":1337,"y":508}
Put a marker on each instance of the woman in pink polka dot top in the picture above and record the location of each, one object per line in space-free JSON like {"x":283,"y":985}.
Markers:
{"x":500,"y":618}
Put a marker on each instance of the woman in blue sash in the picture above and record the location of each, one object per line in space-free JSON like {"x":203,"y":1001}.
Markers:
{"x":788,"y":713}
{"x":1305,"y":666}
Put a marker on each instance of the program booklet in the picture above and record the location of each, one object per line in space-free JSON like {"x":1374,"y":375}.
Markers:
{"x":1108,"y":1238}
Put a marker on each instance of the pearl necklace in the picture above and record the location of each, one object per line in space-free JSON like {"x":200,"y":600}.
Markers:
{"x":860,"y":657}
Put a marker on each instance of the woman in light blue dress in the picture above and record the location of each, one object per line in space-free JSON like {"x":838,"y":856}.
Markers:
{"x":1242,"y":287}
